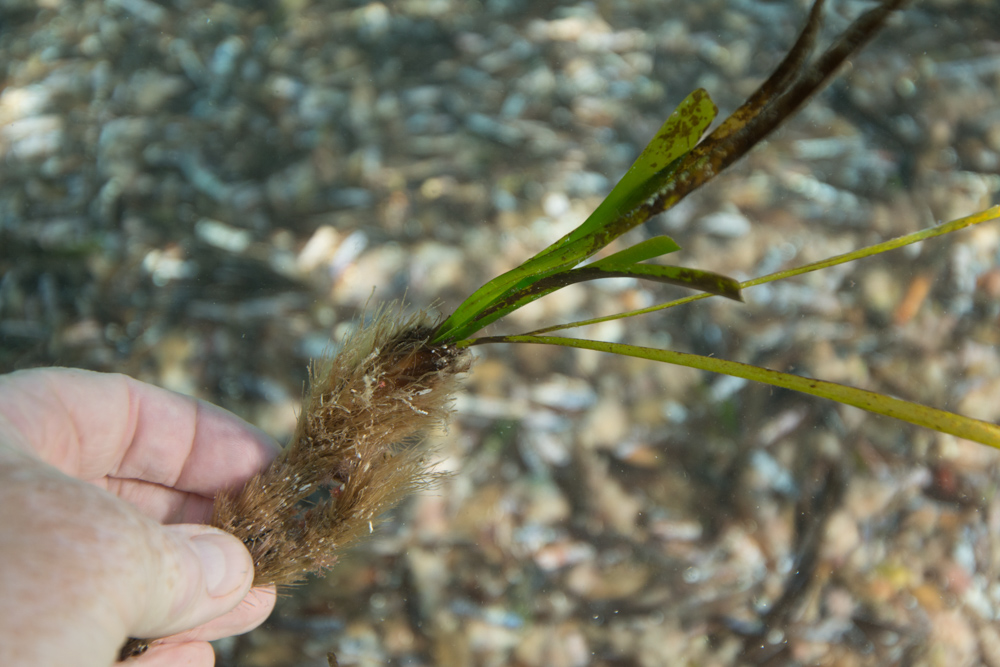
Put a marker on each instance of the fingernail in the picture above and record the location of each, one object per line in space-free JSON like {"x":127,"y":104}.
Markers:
{"x":223,"y":562}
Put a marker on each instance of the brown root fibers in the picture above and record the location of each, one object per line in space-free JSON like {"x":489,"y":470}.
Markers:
{"x":356,"y":452}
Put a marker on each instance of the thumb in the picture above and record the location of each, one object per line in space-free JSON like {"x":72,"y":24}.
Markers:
{"x":199,"y":574}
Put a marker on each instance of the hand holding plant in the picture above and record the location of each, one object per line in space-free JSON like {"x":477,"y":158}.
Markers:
{"x":105,"y":484}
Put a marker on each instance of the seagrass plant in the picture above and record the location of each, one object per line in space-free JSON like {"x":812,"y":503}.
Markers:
{"x":357,"y":449}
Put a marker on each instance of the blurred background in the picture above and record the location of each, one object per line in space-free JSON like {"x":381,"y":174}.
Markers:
{"x":205,"y":195}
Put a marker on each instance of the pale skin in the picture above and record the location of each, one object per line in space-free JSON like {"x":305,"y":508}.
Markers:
{"x":105,"y":484}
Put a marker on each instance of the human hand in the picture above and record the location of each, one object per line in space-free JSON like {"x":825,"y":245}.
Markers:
{"x":104,"y":484}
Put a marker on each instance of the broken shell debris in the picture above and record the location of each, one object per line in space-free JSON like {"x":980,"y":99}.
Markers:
{"x":206,"y":195}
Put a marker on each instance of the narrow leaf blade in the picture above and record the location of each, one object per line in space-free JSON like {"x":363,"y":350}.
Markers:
{"x":640,"y":252}
{"x":708,"y":281}
{"x":654,"y":167}
{"x":650,"y":173}
{"x":704,"y":281}
{"x":914,"y":413}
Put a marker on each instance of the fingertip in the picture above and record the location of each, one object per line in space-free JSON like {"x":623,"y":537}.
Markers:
{"x":250,"y":613}
{"x":255,"y":608}
{"x":225,"y":563}
{"x":214,"y":573}
{"x":190,"y":654}
{"x":225,"y":453}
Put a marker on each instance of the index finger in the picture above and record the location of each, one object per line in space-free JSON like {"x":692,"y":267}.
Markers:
{"x":91,"y":425}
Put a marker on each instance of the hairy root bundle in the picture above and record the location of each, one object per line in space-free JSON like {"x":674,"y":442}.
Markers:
{"x":356,"y":452}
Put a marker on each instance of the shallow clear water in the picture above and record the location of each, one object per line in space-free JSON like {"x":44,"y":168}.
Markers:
{"x":200,"y":194}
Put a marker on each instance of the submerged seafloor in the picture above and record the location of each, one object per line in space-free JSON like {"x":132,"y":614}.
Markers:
{"x":200,"y":193}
